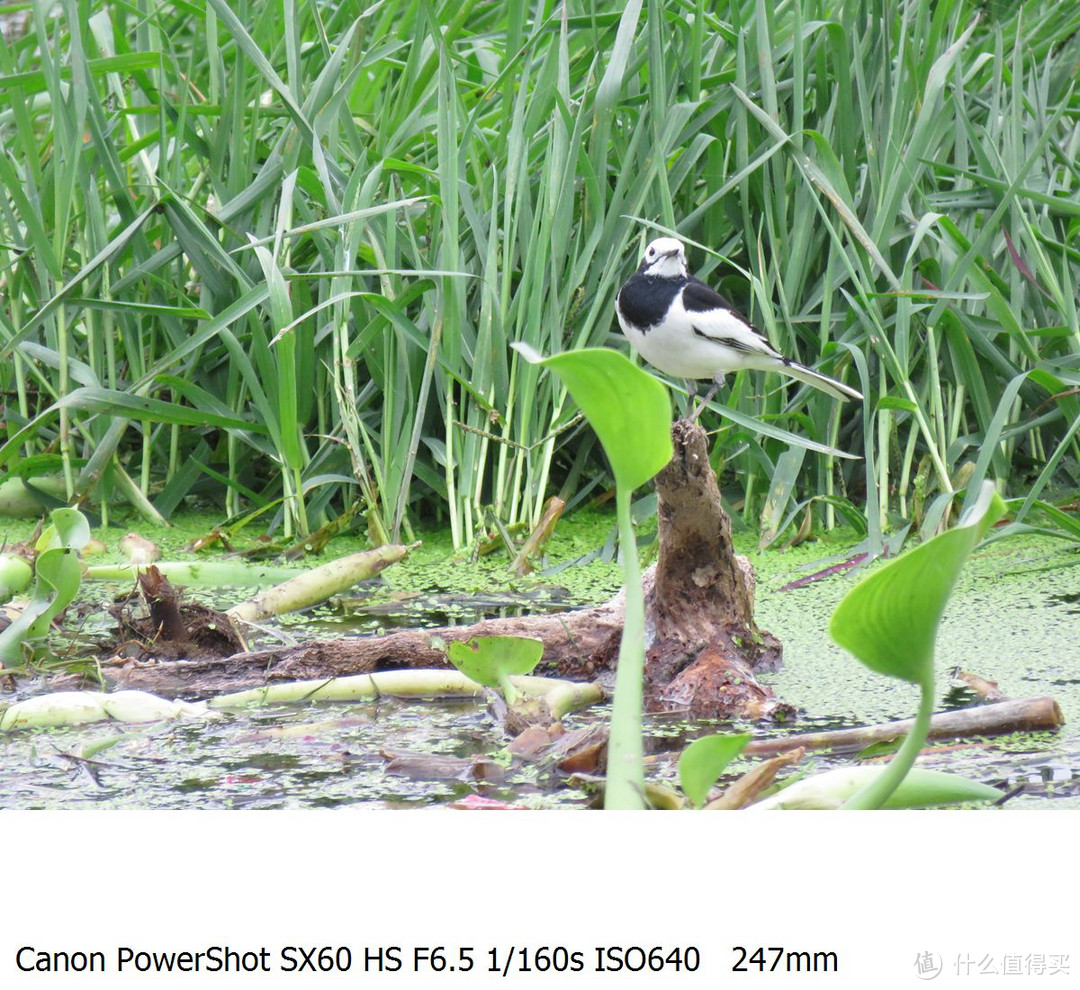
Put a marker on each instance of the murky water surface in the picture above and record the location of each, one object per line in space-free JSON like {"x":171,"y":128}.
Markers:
{"x":1015,"y":619}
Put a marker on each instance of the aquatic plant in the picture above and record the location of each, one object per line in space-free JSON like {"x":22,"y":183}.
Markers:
{"x":630,"y":411}
{"x":57,"y":576}
{"x":702,"y":762}
{"x":68,"y":708}
{"x":557,"y":696}
{"x":15,"y":576}
{"x":844,"y":787}
{"x":491,"y":660}
{"x":317,"y":584}
{"x":889,"y":622}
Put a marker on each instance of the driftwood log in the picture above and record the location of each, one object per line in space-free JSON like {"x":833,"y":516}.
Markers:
{"x":702,"y":644}
{"x":1039,"y":714}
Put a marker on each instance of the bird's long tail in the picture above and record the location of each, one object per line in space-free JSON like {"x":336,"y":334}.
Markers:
{"x":830,"y":385}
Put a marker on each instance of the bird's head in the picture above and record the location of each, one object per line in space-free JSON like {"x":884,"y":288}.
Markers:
{"x":664,"y":258}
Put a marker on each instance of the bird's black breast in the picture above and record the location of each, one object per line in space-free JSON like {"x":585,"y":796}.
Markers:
{"x":645,"y":299}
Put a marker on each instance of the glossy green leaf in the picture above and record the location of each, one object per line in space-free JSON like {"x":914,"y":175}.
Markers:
{"x":628,"y":408}
{"x":704,"y":760}
{"x":631,"y":414}
{"x":491,"y":660}
{"x":889,"y":620}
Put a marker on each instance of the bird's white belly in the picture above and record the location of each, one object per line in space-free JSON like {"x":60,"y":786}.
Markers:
{"x":674,"y":348}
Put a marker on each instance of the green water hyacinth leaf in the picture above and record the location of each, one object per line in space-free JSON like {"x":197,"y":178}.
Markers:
{"x":631,"y":414}
{"x":490,"y":660}
{"x":890,"y":619}
{"x":15,"y":576}
{"x":629,"y":409}
{"x":57,"y":576}
{"x":889,"y":622}
{"x":704,"y":760}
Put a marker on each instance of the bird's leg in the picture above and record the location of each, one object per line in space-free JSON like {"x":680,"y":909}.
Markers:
{"x":709,"y":395}
{"x":691,"y":394}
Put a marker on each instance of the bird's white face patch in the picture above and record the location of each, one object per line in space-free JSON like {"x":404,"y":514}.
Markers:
{"x":666,"y":258}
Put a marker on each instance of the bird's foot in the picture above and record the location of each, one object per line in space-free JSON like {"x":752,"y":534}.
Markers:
{"x":707,"y":398}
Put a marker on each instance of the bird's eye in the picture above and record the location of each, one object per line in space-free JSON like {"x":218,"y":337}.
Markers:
{"x":649,"y":253}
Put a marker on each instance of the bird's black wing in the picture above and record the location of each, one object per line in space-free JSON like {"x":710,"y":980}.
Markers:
{"x":700,"y":298}
{"x":714,"y":318}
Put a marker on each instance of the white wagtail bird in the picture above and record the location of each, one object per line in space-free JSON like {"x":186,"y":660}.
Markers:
{"x":684,"y":328}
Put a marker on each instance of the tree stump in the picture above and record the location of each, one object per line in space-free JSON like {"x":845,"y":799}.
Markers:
{"x":701,"y":650}
{"x":701,"y":610}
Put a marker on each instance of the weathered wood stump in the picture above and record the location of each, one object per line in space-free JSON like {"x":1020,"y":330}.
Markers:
{"x":702,"y":645}
{"x":705,"y":644}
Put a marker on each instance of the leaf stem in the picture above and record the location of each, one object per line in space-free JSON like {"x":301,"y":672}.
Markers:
{"x":625,"y":789}
{"x":878,"y":791}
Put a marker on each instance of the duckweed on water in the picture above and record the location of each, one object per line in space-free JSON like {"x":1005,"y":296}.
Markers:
{"x":1013,"y":619}
{"x":433,"y":566}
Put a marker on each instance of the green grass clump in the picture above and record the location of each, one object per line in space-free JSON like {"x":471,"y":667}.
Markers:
{"x":275,"y":254}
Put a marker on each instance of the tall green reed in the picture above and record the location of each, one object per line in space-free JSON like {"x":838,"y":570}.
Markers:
{"x":255,"y":253}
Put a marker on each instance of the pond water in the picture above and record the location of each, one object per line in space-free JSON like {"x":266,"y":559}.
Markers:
{"x":1014,"y":619}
